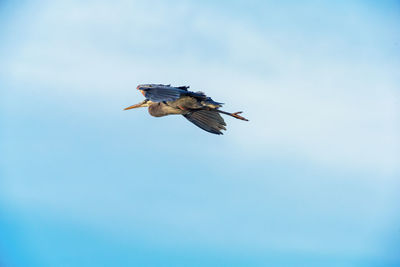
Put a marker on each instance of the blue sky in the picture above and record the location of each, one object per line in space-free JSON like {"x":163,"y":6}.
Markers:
{"x":311,"y":180}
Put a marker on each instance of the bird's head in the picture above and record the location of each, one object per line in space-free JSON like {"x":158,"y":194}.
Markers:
{"x":142,"y":104}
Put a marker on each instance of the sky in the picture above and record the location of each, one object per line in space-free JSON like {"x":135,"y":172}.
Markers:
{"x":311,"y":180}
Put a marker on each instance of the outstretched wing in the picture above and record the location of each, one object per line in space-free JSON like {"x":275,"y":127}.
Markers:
{"x":208,"y":120}
{"x":160,"y":94}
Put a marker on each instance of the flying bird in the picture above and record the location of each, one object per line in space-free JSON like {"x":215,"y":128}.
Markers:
{"x":201,"y":110}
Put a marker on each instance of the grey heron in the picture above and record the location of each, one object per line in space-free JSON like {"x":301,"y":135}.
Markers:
{"x":201,"y":110}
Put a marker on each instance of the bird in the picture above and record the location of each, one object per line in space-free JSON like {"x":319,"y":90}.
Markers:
{"x":197,"y":107}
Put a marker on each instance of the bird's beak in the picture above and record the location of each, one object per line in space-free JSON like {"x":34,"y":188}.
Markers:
{"x":140,"y":105}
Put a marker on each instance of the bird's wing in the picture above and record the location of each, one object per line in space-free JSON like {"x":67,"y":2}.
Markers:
{"x":160,"y":94}
{"x":208,"y":120}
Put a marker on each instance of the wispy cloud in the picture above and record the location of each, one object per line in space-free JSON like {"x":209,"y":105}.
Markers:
{"x":334,"y":101}
{"x":320,"y":87}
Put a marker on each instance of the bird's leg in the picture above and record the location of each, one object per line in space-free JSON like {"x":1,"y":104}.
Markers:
{"x":235,"y":114}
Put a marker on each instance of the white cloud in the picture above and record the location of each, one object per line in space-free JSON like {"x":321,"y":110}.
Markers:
{"x":315,"y":103}
{"x":324,"y":102}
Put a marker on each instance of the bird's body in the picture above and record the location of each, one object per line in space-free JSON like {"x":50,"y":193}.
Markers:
{"x":198,"y":108}
{"x":161,"y":109}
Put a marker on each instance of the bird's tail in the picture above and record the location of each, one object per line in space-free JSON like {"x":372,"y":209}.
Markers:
{"x":208,"y":102}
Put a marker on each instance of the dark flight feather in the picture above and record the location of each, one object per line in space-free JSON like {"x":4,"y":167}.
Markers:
{"x":167,"y":94}
{"x":160,"y":94}
{"x":208,"y":120}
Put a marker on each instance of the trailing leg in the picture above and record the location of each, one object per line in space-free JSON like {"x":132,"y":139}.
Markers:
{"x":235,"y":114}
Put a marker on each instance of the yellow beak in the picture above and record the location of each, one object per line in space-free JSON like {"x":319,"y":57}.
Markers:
{"x":133,"y":106}
{"x":141,"y":104}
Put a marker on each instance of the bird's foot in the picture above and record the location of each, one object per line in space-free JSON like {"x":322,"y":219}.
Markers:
{"x":235,"y":115}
